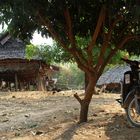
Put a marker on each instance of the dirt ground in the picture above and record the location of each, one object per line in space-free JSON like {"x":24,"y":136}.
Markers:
{"x":47,"y":116}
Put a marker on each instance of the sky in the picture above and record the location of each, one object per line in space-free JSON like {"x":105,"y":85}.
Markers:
{"x":37,"y":38}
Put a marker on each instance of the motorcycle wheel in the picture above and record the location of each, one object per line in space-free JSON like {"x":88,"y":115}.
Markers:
{"x":132,"y":116}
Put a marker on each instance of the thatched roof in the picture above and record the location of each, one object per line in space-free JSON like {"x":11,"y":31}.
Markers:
{"x":11,"y":48}
{"x":13,"y":56}
{"x":114,"y":75}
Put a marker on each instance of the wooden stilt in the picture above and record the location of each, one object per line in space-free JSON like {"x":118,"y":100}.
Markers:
{"x":21,"y":86}
{"x":16,"y":82}
{"x":9,"y":87}
{"x":40,"y":83}
{"x":29,"y":86}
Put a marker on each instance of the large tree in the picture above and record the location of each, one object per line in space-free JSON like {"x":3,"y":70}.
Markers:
{"x":108,"y":24}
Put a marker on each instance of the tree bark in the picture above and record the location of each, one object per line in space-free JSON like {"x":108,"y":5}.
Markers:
{"x":86,"y":81}
{"x":84,"y":111}
{"x":84,"y":103}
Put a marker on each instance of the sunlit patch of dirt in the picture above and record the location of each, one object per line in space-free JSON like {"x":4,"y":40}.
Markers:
{"x":47,"y":116}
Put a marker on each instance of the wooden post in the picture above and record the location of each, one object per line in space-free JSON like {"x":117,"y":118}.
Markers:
{"x":29,"y":86}
{"x":40,"y":83}
{"x":16,"y":82}
{"x":21,"y":86}
{"x":9,"y":86}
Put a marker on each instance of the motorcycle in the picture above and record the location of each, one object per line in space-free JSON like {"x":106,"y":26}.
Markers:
{"x":130,"y":93}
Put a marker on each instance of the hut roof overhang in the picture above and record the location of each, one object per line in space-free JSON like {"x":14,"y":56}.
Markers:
{"x":113,"y":75}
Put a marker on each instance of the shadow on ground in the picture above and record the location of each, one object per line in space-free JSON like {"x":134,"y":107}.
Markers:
{"x":69,"y":133}
{"x":119,"y":129}
{"x":115,"y":127}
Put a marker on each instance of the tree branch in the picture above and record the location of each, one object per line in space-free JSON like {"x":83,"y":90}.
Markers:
{"x":92,"y":43}
{"x":46,"y":22}
{"x":76,"y":54}
{"x":78,"y":98}
{"x":114,"y":51}
{"x":72,"y":37}
{"x":97,"y":29}
{"x":118,"y":19}
{"x":106,"y":42}
{"x":69,"y":27}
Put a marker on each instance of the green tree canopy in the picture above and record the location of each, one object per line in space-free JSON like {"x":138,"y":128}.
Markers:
{"x":104,"y":22}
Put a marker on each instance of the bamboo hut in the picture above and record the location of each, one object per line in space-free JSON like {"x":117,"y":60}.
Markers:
{"x":111,"y":79}
{"x":17,"y":70}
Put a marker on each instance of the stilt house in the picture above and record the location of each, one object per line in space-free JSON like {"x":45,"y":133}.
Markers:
{"x":17,"y":70}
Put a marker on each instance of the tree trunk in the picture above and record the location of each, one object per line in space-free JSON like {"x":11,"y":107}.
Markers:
{"x":84,"y":111}
{"x":86,"y":81}
{"x":90,"y":90}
